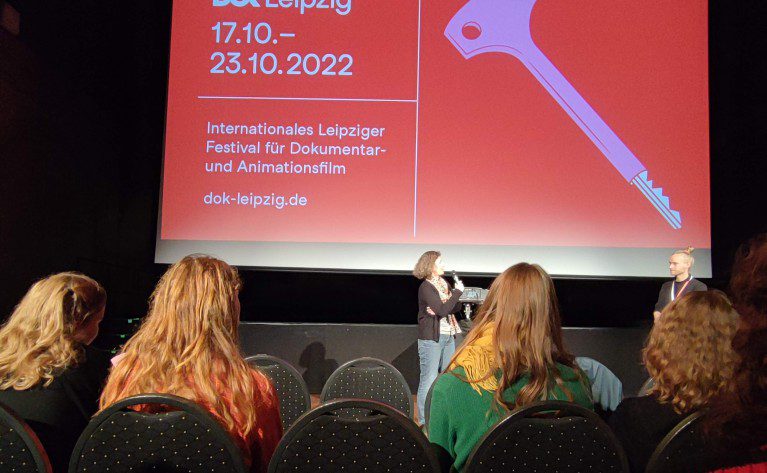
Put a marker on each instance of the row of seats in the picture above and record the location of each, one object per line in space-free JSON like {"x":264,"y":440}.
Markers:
{"x":363,"y":378}
{"x":371,"y":378}
{"x":341,"y":435}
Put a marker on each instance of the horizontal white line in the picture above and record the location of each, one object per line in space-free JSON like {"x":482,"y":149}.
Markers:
{"x":321,"y":99}
{"x":287,"y":35}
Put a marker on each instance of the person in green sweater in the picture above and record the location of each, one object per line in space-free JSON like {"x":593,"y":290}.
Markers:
{"x":512,"y":358}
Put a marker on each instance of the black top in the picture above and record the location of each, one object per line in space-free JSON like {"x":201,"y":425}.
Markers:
{"x":664,"y":297}
{"x":428,"y":296}
{"x":59,"y":412}
{"x":640,"y":423}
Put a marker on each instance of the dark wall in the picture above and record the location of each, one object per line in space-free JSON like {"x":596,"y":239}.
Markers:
{"x":82,"y":94}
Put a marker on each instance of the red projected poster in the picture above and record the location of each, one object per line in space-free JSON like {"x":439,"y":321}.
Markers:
{"x":542,"y":123}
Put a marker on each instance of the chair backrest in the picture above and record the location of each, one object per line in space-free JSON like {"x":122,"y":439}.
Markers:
{"x":549,"y":436}
{"x":291,"y":388}
{"x":183,"y":438}
{"x":680,"y":449}
{"x":646,"y":387}
{"x":326,"y":439}
{"x":20,"y":449}
{"x":369,"y":378}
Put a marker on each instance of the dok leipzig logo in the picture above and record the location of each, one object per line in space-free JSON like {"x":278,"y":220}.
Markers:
{"x":342,"y":7}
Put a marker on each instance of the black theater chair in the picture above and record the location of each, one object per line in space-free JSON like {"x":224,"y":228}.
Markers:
{"x":380,"y":440}
{"x":644,"y":390}
{"x":186,"y":439}
{"x":684,"y":449}
{"x":548,"y":436}
{"x":369,"y":378}
{"x":20,"y":449}
{"x":291,"y":389}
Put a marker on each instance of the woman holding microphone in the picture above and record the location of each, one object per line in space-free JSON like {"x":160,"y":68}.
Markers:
{"x":437,"y":325}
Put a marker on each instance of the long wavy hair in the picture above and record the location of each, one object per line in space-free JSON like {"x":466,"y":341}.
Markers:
{"x":689,"y":352}
{"x":737,"y":417}
{"x":187,"y":345}
{"x":521,"y":306}
{"x":38,"y":340}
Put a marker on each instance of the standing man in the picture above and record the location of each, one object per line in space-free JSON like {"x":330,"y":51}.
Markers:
{"x":679,"y":264}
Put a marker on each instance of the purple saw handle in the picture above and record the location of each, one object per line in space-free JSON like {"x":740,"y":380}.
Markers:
{"x":503,"y":26}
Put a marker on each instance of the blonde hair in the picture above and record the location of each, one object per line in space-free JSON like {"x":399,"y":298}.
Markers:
{"x":425,"y":265}
{"x":188,"y":345}
{"x":687,"y":252}
{"x":522,"y":306}
{"x":37,"y":342}
{"x":689,"y":352}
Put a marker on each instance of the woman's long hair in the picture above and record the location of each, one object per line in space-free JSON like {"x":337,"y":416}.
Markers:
{"x":38,"y":340}
{"x":689,"y":352}
{"x":522,"y":307}
{"x":188,"y":345}
{"x":737,"y":417}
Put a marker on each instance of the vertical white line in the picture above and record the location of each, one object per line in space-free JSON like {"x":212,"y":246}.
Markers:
{"x":417,"y":107}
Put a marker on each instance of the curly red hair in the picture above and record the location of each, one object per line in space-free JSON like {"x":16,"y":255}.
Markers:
{"x":689,"y":352}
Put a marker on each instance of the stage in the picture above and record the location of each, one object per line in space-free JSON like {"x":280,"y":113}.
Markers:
{"x":316,"y":350}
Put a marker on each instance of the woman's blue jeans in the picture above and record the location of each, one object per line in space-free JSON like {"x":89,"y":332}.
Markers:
{"x":434,"y":357}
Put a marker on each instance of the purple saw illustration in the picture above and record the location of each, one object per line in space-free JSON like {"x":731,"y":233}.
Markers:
{"x":503,"y":26}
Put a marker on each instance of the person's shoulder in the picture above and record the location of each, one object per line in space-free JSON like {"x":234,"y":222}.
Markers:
{"x":451,"y":380}
{"x":263,"y":382}
{"x":264,"y":388}
{"x":97,"y":356}
{"x":638,"y":406}
{"x":95,"y":365}
{"x":571,"y":373}
{"x":699,"y":285}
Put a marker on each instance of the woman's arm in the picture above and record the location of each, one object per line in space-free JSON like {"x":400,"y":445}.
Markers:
{"x":269,"y":423}
{"x":429,"y":294}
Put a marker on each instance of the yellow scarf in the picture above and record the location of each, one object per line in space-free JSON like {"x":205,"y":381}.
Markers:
{"x":477,"y":359}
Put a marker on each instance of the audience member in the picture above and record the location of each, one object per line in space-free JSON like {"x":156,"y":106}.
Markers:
{"x":188,"y":346}
{"x":513,"y":357}
{"x":49,"y":375}
{"x":737,"y":420}
{"x":689,"y":355}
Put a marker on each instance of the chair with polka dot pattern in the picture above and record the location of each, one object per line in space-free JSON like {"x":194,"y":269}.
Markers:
{"x":548,"y":436}
{"x":290,"y":386}
{"x":326,"y":439}
{"x":683,"y":450}
{"x":184,"y":438}
{"x":20,"y":449}
{"x":369,"y":378}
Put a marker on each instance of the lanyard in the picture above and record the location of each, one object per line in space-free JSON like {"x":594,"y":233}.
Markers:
{"x":673,"y":296}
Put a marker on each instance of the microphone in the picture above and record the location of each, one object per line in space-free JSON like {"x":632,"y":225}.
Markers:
{"x":455,"y":277}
